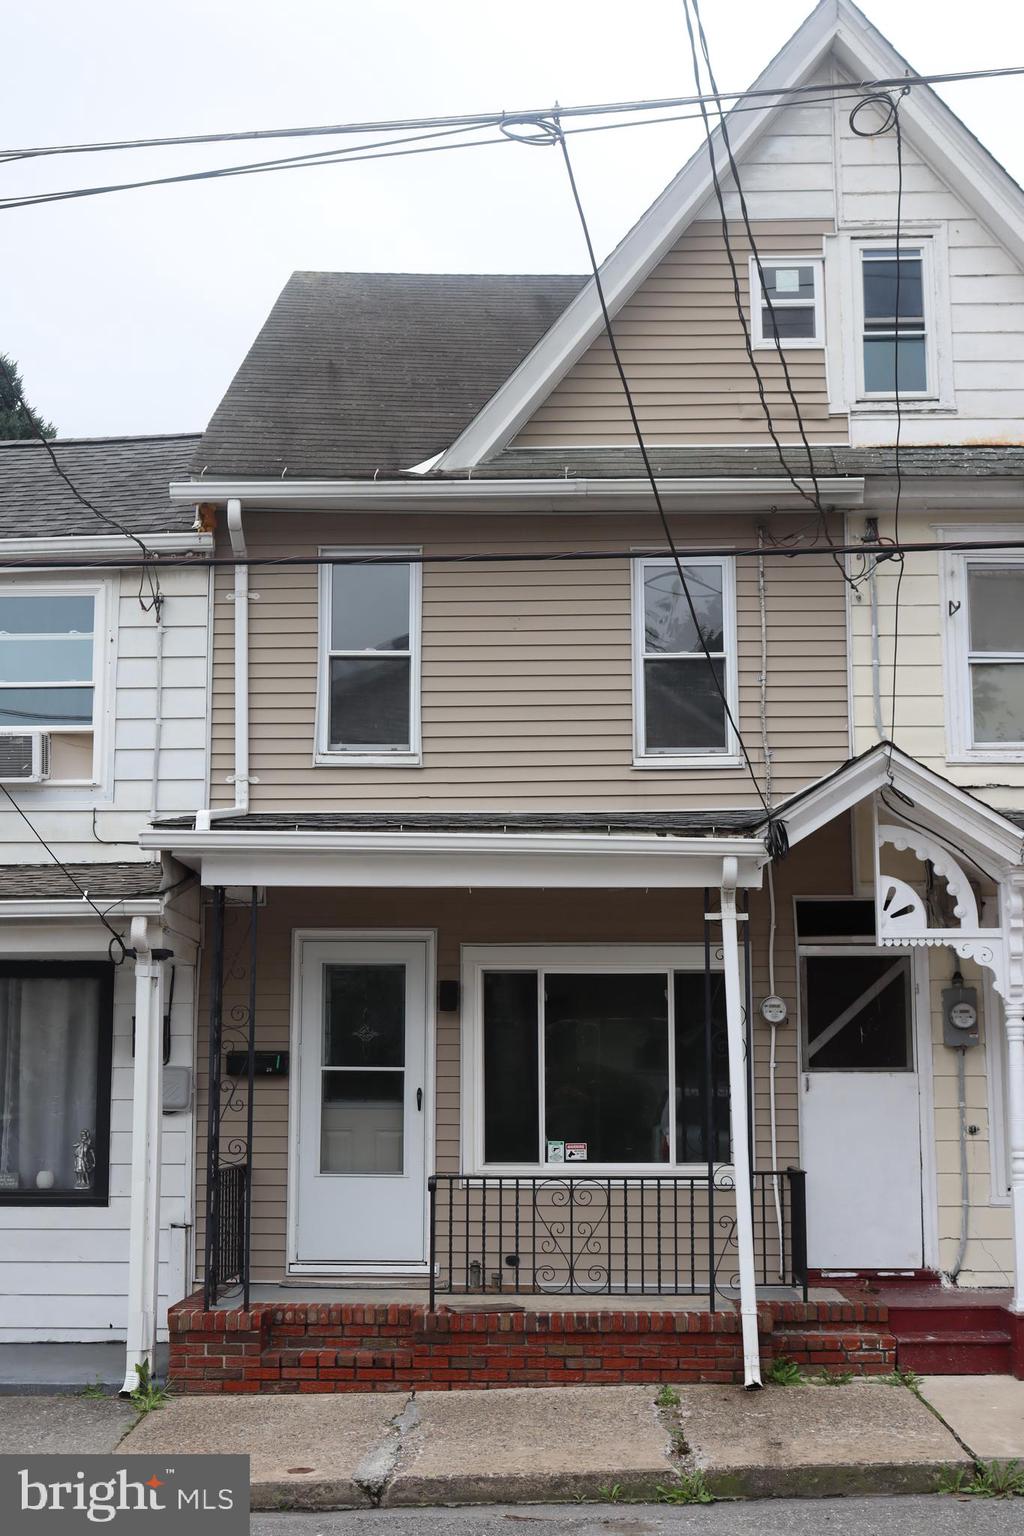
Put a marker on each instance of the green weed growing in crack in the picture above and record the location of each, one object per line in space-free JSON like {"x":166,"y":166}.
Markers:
{"x":783,"y":1372}
{"x":909,"y":1379}
{"x":828,"y":1378}
{"x":667,"y":1397}
{"x":691,"y":1488}
{"x":611,"y":1493}
{"x":95,"y":1391}
{"x":148,"y":1394}
{"x":985,"y":1480}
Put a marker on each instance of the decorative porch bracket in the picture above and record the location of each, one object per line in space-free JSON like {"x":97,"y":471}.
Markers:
{"x":902,"y":922}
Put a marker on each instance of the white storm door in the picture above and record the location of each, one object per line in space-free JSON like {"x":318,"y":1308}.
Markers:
{"x":361,"y":1108}
{"x":860,"y":1118}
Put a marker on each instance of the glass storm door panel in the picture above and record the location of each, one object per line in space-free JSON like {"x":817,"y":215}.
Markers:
{"x":860,"y":1119}
{"x":360,"y":1104}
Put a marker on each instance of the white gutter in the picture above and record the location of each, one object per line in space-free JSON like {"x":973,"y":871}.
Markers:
{"x":97,"y":545}
{"x":738,"y":1118}
{"x":428,"y":495}
{"x":417,"y":841}
{"x":74,"y":907}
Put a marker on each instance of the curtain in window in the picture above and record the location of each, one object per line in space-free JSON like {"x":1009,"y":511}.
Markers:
{"x":49,"y":1044}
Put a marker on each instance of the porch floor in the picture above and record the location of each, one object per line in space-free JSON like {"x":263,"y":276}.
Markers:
{"x":491,"y":1301}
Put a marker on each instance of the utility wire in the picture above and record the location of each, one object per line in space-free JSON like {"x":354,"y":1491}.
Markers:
{"x":156,"y":597}
{"x":115,"y":937}
{"x":815,"y":498}
{"x":495,"y":119}
{"x":775,"y":837}
{"x":499,"y":557}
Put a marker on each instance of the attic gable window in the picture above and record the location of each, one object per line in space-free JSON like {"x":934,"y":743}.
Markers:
{"x":679,"y":717}
{"x":369,"y":662}
{"x":894,"y":332}
{"x":792,"y":294}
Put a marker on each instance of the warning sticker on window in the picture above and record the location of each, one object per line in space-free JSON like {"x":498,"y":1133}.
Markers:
{"x":556,"y":1151}
{"x":576,"y":1151}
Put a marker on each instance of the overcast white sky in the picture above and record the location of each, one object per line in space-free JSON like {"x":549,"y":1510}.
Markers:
{"x":130,"y":313}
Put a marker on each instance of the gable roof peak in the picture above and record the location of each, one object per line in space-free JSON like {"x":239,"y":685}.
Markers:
{"x":835,"y":27}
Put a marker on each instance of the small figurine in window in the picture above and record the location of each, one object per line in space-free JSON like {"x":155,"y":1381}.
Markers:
{"x":85,"y":1161}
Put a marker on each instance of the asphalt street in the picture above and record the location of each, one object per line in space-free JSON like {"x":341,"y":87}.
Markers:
{"x":930,"y":1516}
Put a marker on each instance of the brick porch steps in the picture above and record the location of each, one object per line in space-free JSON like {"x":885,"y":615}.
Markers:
{"x":941,"y":1331}
{"x":312,"y":1347}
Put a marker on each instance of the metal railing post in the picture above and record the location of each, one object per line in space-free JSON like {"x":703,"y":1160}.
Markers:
{"x":798,"y":1221}
{"x":432,"y":1197}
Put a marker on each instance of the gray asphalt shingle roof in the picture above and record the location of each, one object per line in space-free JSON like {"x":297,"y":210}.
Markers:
{"x":43,"y":882}
{"x":670,"y":823}
{"x":356,"y":373}
{"x":126,"y":477}
{"x":753,"y":462}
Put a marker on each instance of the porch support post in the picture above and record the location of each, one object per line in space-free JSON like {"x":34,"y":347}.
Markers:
{"x":147,"y":1098}
{"x":740,"y":1135}
{"x":1015,"y":1097}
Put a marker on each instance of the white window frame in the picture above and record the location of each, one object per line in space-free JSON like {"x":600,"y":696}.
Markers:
{"x":102,"y":689}
{"x":845,"y":306}
{"x":377,"y":757}
{"x":955,"y":615}
{"x":581,"y":959}
{"x":699,"y":757}
{"x":768,"y":343}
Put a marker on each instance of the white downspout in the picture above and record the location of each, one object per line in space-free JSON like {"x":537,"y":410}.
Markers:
{"x":158,"y":721}
{"x":147,"y":1104}
{"x":1012,"y":905}
{"x":240,"y":777}
{"x":738,"y":1116}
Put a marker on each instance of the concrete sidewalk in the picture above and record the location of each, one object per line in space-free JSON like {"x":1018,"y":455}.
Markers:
{"x":353,"y":1450}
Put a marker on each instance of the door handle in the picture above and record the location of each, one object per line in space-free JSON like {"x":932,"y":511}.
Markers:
{"x":419,"y":1099}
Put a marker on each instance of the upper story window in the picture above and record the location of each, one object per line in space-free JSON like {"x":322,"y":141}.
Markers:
{"x":679,"y":714}
{"x":370,"y":658}
{"x":792,"y":293}
{"x":47,"y":660}
{"x":894,"y":346}
{"x":986,"y":650}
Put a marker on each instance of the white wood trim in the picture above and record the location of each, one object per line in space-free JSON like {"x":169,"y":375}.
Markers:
{"x":729,"y":757}
{"x":338,"y":757}
{"x":479,"y":497}
{"x":759,"y":341}
{"x":107,"y":544}
{"x":995,"y":1063}
{"x":585,"y":959}
{"x":300,"y":937}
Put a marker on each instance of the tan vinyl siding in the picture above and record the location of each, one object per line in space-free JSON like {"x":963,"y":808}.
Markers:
{"x":527,"y":672}
{"x":820,"y":867}
{"x":683,"y":351}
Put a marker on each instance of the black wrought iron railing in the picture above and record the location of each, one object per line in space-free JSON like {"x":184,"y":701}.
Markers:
{"x":593,"y":1234}
{"x":229,"y":1228}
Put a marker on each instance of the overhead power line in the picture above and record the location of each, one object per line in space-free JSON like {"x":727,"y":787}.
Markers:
{"x":497,"y":118}
{"x":883,"y":550}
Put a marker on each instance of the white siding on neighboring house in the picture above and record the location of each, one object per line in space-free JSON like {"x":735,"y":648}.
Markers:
{"x":64,"y":1269}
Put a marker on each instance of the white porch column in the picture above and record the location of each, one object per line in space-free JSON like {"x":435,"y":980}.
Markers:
{"x":738,"y":1116}
{"x":144,"y":1219}
{"x":1014,"y":1022}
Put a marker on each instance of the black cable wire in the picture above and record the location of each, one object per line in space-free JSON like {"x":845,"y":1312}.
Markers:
{"x":156,"y":597}
{"x":775,"y":831}
{"x":115,"y":937}
{"x":940,"y":837}
{"x":891,"y":123}
{"x":815,"y":500}
{"x":498,"y":557}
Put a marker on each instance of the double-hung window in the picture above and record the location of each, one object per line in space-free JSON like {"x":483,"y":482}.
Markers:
{"x":792,"y":294}
{"x":55,"y":1040}
{"x":47,"y":660}
{"x":370,"y":658}
{"x":986,"y":619}
{"x":894,"y":332}
{"x":680,"y":684}
{"x":603,"y":1062}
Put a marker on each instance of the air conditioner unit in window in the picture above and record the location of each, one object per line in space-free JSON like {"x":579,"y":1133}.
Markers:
{"x":24,"y":757}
